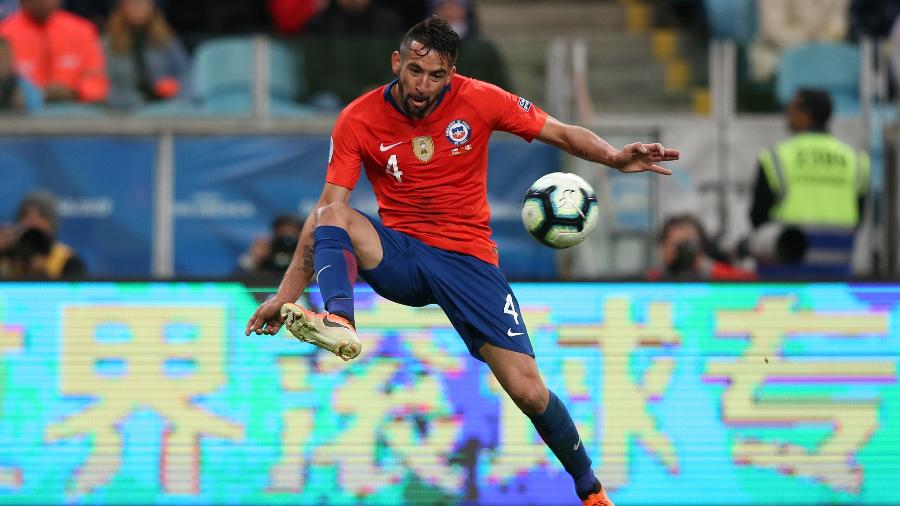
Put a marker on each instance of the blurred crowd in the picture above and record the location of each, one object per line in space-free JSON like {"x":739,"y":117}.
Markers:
{"x":127,"y":53}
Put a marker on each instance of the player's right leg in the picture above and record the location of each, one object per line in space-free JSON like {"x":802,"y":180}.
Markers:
{"x":342,"y":236}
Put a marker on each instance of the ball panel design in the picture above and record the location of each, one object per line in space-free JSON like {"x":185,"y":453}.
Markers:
{"x":560,"y":209}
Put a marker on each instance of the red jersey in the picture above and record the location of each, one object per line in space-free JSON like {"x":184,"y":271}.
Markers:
{"x":430,"y":175}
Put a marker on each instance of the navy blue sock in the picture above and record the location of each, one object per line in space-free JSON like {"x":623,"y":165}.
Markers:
{"x":559,"y":433}
{"x":335,"y":266}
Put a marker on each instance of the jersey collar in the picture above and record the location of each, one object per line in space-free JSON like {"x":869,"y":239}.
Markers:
{"x":390,"y":98}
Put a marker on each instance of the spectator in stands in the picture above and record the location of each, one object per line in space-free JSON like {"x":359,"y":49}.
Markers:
{"x":16,"y":93}
{"x":289,"y":17}
{"x":686,"y":254}
{"x":146,"y":61}
{"x":58,"y":51}
{"x":356,"y":17}
{"x":272,"y":254}
{"x":783,"y":24}
{"x":809,"y":195}
{"x":36,"y":252}
{"x":460,"y":15}
{"x":477,"y":56}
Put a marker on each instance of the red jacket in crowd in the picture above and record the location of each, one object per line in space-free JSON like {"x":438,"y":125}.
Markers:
{"x":64,"y":50}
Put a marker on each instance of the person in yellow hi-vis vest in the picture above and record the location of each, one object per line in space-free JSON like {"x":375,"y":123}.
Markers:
{"x":40,"y":255}
{"x":814,"y":187}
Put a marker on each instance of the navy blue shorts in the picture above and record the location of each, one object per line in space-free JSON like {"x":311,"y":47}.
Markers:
{"x":474,"y":294}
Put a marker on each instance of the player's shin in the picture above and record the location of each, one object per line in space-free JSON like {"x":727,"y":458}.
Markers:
{"x":558,"y":431}
{"x":336,"y":270}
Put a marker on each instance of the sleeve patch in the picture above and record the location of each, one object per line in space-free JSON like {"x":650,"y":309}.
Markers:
{"x":524,"y":104}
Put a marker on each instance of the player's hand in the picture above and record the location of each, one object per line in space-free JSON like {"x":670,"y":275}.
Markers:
{"x":640,"y":157}
{"x":266,"y":319}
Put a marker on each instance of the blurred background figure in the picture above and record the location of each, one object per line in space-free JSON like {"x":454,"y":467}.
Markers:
{"x":813,"y":185}
{"x":16,"y":93}
{"x":686,"y":254}
{"x":783,"y":24}
{"x":459,"y":14}
{"x":146,"y":61}
{"x":478,"y":56}
{"x":272,"y":254}
{"x":356,"y":17}
{"x":289,"y":17}
{"x":58,"y":51}
{"x":30,"y":248}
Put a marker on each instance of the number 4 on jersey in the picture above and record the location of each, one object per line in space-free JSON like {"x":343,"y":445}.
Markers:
{"x":394,"y":169}
{"x":509,"y":308}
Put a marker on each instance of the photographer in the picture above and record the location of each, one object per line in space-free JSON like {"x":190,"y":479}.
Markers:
{"x":272,"y":255}
{"x":30,"y":248}
{"x":687,"y":255}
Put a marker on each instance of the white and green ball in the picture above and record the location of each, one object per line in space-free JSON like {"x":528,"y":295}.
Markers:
{"x":560,"y":210}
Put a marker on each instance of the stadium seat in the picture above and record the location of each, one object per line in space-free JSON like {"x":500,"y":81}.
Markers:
{"x":832,"y":66}
{"x":223,"y":82}
{"x":732,"y":19}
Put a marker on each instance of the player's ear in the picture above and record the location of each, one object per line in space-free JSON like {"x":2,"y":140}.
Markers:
{"x":395,"y":62}
{"x":451,"y":73}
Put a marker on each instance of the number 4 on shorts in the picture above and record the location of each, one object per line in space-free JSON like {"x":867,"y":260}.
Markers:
{"x":509,"y":308}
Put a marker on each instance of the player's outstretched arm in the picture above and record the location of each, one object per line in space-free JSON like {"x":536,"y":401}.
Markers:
{"x":267,"y":318}
{"x":581,"y":142}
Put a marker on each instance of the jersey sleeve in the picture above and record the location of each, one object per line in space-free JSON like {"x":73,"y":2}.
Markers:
{"x":344,"y":158}
{"x":509,"y":113}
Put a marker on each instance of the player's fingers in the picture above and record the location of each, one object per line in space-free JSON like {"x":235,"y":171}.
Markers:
{"x":251,"y":323}
{"x":671,"y":154}
{"x":657,"y":149}
{"x":660,"y":170}
{"x":635,"y":147}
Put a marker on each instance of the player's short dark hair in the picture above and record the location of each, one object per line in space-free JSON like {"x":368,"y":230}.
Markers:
{"x":817,"y":103}
{"x":435,"y":34}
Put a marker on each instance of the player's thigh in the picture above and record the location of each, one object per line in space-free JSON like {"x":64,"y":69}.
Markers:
{"x":396,"y":276}
{"x":366,"y":241}
{"x":476,"y":296}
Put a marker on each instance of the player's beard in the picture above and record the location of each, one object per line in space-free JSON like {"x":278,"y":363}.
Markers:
{"x":406,"y":104}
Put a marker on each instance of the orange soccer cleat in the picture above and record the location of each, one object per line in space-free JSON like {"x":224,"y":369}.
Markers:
{"x":324,"y":330}
{"x":598,"y":498}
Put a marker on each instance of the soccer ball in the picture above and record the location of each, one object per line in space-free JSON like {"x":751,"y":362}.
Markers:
{"x":560,"y":210}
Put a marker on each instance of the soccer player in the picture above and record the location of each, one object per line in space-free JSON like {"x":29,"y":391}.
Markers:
{"x":423,"y":141}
